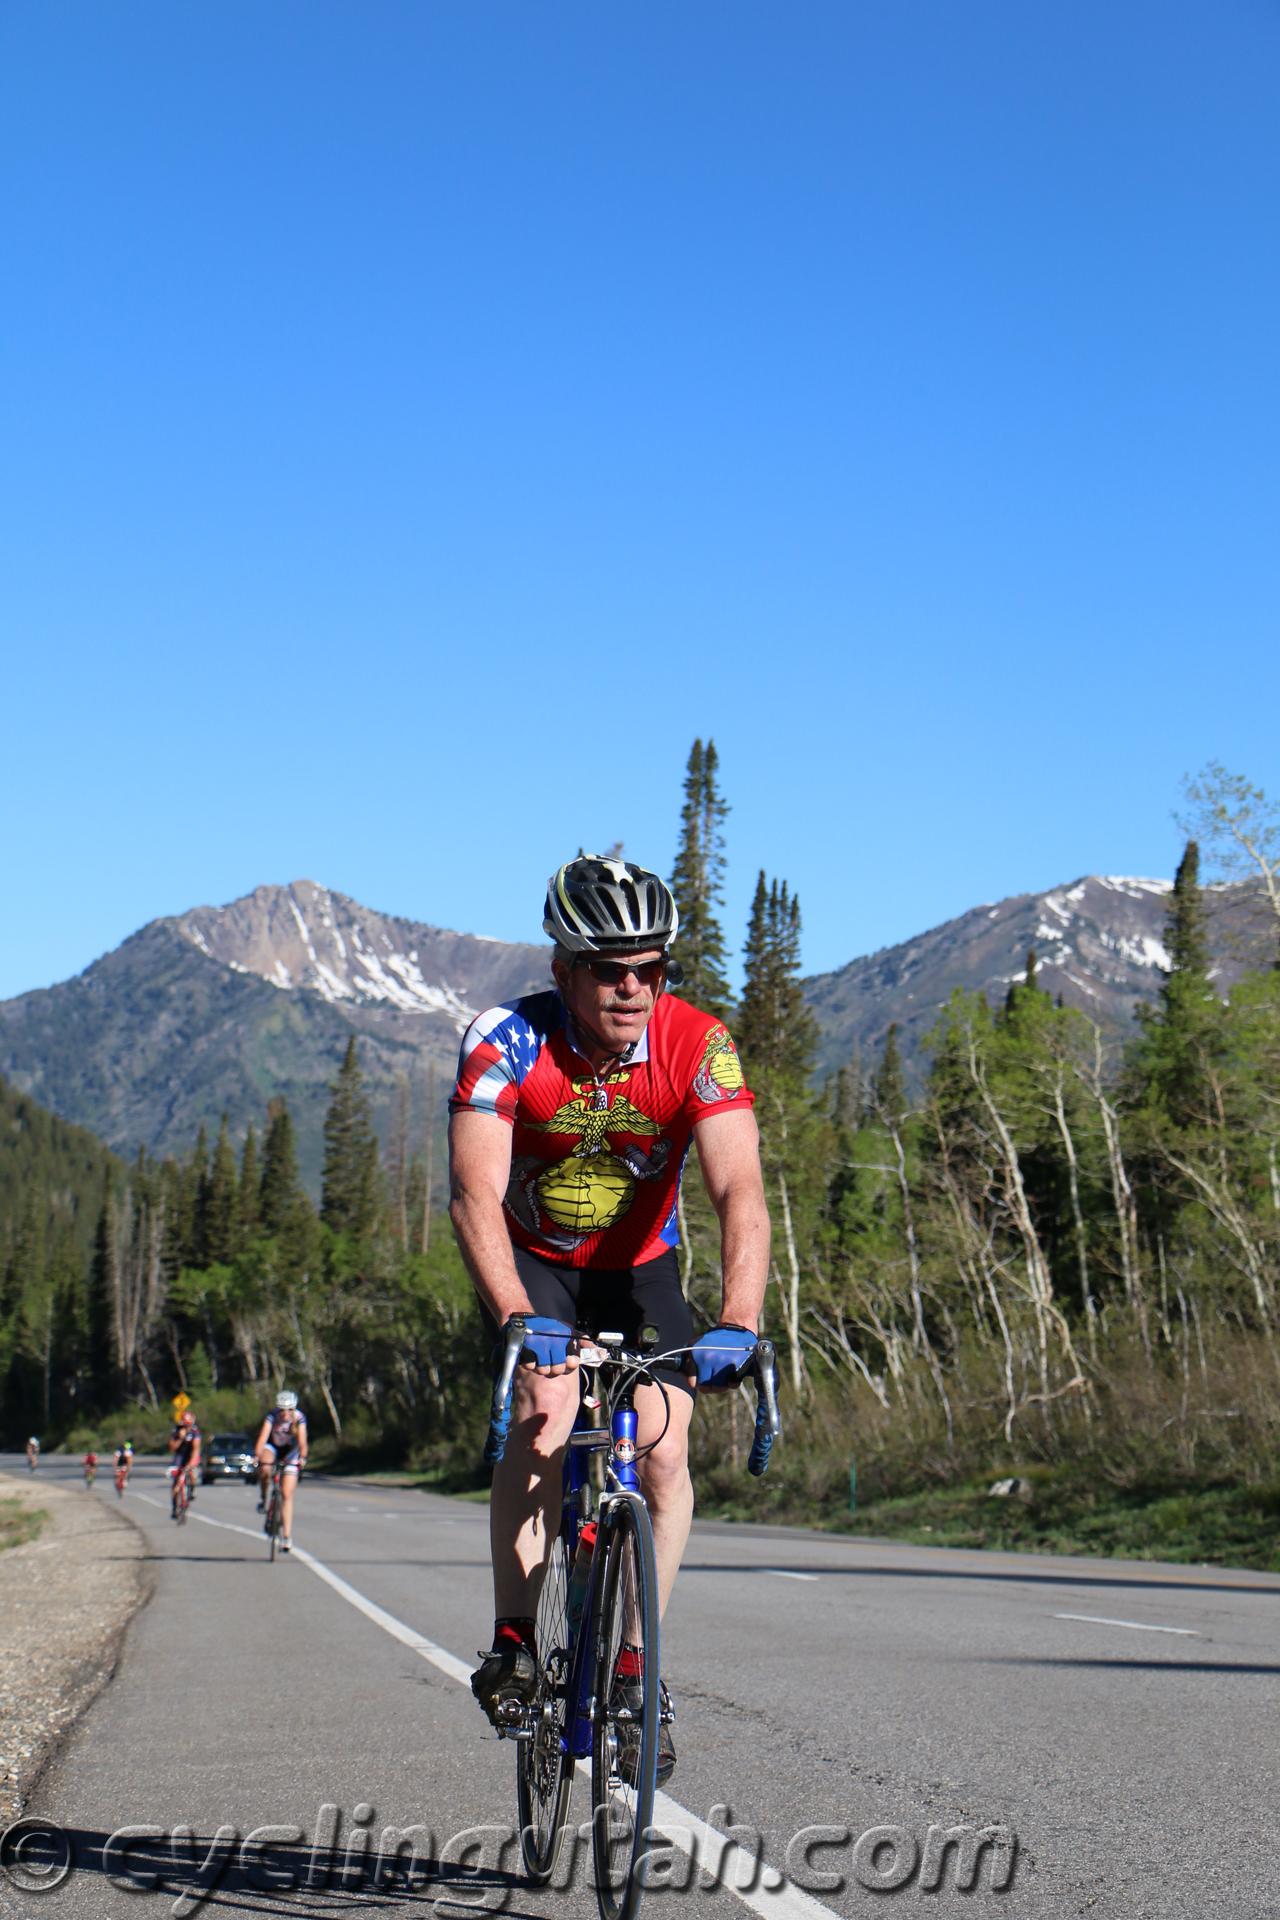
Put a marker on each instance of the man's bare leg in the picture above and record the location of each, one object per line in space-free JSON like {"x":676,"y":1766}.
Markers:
{"x":664,"y":1475}
{"x":525,"y":1509}
{"x":524,"y":1512}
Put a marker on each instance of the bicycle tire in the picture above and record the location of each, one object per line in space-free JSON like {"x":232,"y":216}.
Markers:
{"x":544,"y":1772}
{"x":273,"y":1519}
{"x":622,"y":1811}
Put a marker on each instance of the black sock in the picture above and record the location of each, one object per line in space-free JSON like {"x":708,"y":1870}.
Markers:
{"x":515,"y":1631}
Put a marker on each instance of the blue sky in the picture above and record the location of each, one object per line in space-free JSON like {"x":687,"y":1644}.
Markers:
{"x":420,"y":421}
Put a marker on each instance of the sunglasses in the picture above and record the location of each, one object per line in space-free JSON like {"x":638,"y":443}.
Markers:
{"x":610,"y":973}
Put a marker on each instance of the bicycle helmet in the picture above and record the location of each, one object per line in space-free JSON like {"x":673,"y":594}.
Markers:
{"x":286,"y":1401}
{"x":608,"y":906}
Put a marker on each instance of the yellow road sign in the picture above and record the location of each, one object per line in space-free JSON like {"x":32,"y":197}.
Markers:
{"x":181,"y":1401}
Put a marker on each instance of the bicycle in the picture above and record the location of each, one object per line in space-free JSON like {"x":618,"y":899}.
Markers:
{"x":181,"y":1495}
{"x":273,"y":1526}
{"x":122,"y":1474}
{"x":578,"y":1708}
{"x":90,"y":1473}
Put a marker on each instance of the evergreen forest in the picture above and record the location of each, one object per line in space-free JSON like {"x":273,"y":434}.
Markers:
{"x":1051,"y":1266}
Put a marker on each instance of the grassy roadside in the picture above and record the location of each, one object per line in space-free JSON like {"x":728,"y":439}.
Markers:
{"x":1058,"y":1510}
{"x":19,"y":1523}
{"x":1054,"y":1510}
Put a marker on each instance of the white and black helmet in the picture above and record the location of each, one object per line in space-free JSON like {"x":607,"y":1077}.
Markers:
{"x":608,"y":906}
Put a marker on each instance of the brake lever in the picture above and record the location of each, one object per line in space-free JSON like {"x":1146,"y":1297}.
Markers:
{"x":500,"y":1407}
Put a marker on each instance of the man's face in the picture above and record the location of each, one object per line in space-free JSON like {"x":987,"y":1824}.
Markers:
{"x":617,"y":1007}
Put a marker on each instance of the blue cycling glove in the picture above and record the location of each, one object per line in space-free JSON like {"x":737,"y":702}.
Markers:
{"x":720,"y":1357}
{"x":546,"y":1342}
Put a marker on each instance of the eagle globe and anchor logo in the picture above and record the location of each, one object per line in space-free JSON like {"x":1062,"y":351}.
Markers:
{"x":566,"y":1201}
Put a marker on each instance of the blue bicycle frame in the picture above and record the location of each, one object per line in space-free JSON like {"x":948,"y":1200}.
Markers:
{"x":620,"y":1438}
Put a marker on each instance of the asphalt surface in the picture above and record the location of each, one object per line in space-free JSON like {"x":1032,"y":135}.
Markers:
{"x":1118,"y":1718}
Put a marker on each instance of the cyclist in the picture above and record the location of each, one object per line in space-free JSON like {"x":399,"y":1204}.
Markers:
{"x":90,"y":1465}
{"x":124,"y":1464}
{"x":184,"y":1445}
{"x":283,"y":1438}
{"x":571,"y":1120}
{"x":33,"y":1452}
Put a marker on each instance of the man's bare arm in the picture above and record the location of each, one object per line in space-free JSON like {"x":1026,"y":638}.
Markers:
{"x":729,"y":1155}
{"x":479,"y":1169}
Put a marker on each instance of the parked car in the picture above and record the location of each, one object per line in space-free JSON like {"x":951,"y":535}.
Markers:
{"x":228,"y":1456}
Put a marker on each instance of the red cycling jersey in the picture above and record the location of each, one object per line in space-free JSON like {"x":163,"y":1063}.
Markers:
{"x":596,"y":1163}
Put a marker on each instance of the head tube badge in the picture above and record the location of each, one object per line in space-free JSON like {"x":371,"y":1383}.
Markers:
{"x":624,"y":1450}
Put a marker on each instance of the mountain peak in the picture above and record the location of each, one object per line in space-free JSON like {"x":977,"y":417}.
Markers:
{"x":305,"y":935}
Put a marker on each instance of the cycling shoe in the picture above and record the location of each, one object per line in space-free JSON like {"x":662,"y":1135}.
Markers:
{"x":504,"y":1683}
{"x":629,"y":1694}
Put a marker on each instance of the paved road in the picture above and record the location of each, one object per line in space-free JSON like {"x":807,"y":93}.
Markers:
{"x":1121,"y":1719}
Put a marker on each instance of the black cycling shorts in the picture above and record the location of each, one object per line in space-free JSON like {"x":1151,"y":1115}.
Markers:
{"x":615,"y":1300}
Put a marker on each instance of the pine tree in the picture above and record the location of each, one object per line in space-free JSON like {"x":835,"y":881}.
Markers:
{"x":280,"y":1190}
{"x":888,"y":1089}
{"x":776,"y":1030}
{"x":1185,"y":1033}
{"x":349,"y":1182}
{"x":221,"y":1223}
{"x":197,"y":1202}
{"x":1026,"y":985}
{"x":250,"y":1181}
{"x":1186,"y":934}
{"x":697,"y":882}
{"x":779,"y":1038}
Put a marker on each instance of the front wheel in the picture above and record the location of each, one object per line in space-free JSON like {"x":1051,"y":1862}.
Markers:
{"x":624,"y":1751}
{"x":544,"y":1771}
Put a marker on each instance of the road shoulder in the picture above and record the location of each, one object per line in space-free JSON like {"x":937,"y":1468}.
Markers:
{"x":65,"y":1602}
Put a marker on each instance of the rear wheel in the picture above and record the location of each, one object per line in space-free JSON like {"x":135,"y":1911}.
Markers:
{"x":544,"y":1771}
{"x":624,"y":1753}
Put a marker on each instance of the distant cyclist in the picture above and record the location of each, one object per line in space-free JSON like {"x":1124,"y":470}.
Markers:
{"x":184,"y":1445}
{"x":33,"y":1452}
{"x":282,"y":1442}
{"x":90,"y":1465}
{"x":124,"y":1465}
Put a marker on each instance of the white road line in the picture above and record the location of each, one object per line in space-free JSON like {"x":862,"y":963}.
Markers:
{"x":1138,"y":1626}
{"x":781,"y":1573}
{"x":775,"y":1898}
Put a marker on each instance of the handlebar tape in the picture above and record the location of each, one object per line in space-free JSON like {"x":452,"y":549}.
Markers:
{"x":500,"y":1410}
{"x":766,"y":1408}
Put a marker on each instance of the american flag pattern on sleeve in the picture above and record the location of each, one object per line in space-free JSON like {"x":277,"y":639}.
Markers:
{"x":499,"y":1049}
{"x":596,"y":1164}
